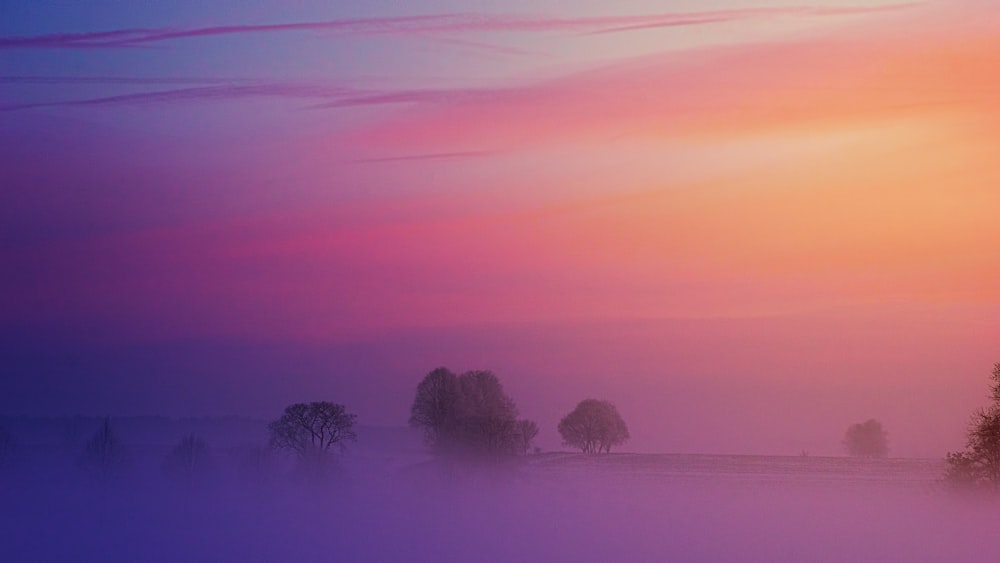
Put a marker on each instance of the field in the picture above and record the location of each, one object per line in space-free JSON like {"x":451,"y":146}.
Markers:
{"x":782,"y":471}
{"x":385,"y":506}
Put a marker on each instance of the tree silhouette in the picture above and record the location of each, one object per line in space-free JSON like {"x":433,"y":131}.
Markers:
{"x":470,"y":415}
{"x":488,"y":423}
{"x":188,"y":460}
{"x":593,"y":426}
{"x":866,"y":439}
{"x":104,"y":452}
{"x":437,"y":408}
{"x":312,"y":430}
{"x":979,"y":465}
{"x":527,"y":431}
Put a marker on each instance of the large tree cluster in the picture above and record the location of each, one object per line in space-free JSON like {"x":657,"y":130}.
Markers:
{"x":469,"y":414}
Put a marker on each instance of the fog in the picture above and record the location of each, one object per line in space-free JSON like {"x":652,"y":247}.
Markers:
{"x":388,"y":500}
{"x":751,"y":386}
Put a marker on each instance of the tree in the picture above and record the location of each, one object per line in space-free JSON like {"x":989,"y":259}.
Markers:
{"x":593,"y":426}
{"x":995,"y":388}
{"x":487,"y":416}
{"x":188,"y":460}
{"x":312,"y":430}
{"x":469,"y":414}
{"x":104,"y":452}
{"x":527,"y":431}
{"x":866,"y":439}
{"x":436,"y":408}
{"x":979,"y":465}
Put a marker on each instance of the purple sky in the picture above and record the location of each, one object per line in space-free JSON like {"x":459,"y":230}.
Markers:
{"x":749,"y":223}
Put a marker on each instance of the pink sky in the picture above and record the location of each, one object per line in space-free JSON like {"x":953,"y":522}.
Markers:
{"x":815,"y":188}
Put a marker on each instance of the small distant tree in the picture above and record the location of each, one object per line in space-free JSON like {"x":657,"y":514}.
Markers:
{"x":188,"y":460}
{"x":469,"y":415}
{"x":312,"y":431}
{"x":866,"y":439}
{"x":979,"y":465}
{"x":594,"y":426}
{"x":527,"y":431}
{"x":104,"y":452}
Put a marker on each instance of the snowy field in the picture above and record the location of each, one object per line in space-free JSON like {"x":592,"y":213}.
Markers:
{"x":385,"y":506}
{"x":730,"y":470}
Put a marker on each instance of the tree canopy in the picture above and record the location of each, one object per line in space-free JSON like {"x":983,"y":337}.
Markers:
{"x":979,"y":465}
{"x":469,"y":414}
{"x":188,"y":460}
{"x":867,"y":439}
{"x":313,"y":429}
{"x":104,"y":452}
{"x":593,"y":426}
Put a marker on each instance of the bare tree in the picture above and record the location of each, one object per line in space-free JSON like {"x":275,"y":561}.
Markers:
{"x":594,"y":426}
{"x":312,"y":430}
{"x":469,"y":414}
{"x":527,"y":431}
{"x":979,"y":465}
{"x":995,"y":387}
{"x":866,"y":439}
{"x":984,"y":442}
{"x":104,"y":452}
{"x":188,"y":460}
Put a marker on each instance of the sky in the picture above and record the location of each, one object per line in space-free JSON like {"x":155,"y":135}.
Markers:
{"x":748,"y":223}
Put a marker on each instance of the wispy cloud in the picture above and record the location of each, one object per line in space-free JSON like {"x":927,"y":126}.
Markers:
{"x":94,"y":39}
{"x":755,"y":13}
{"x":481,"y":46}
{"x":199,"y":93}
{"x":427,"y":156}
{"x":733,"y":89}
{"x":444,"y":23}
{"x":641,"y":80}
{"x":119,"y":80}
{"x":427,"y":95}
{"x":223,"y":89}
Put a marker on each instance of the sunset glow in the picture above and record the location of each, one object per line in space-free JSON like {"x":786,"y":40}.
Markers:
{"x":720,"y":207}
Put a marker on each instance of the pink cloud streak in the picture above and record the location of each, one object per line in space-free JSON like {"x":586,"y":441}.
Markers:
{"x":444,"y":23}
{"x":696,"y":93}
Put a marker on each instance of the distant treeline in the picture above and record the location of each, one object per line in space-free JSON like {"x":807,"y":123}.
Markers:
{"x":461,"y":416}
{"x":466,"y":416}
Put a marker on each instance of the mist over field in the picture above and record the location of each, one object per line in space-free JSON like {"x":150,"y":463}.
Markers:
{"x":717,"y":278}
{"x":390,"y":501}
{"x":775,"y":385}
